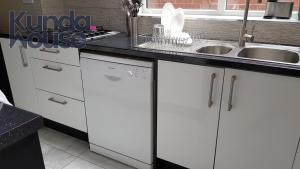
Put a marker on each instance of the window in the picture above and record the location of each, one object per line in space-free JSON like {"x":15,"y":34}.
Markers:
{"x":217,"y":7}
{"x":254,"y":6}
{"x":240,"y":5}
{"x":185,"y":4}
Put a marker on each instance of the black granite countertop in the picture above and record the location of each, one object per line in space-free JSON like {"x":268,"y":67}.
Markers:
{"x":16,"y":124}
{"x":120,"y":45}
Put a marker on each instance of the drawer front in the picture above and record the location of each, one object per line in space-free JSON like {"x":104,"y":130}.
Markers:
{"x":61,"y":55}
{"x":63,"y":110}
{"x":58,"y":78}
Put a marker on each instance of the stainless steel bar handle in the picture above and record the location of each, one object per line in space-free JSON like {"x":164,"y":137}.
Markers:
{"x":233,"y":78}
{"x":52,"y":99}
{"x":49,"y":51}
{"x":23,"y":56}
{"x":212,"y":80}
{"x":54,"y":69}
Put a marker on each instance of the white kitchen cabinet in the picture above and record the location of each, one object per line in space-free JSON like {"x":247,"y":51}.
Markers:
{"x":261,"y":129}
{"x":58,"y":78}
{"x":63,"y":110}
{"x":20,"y":76}
{"x":68,"y":56}
{"x":186,"y":123}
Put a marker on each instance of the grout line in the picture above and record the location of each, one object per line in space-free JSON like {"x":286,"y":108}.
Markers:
{"x":65,"y":150}
{"x":92,"y":162}
{"x":70,"y":162}
{"x":296,"y":154}
{"x":54,"y":148}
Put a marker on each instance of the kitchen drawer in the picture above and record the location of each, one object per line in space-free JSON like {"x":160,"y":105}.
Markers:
{"x":63,"y":110}
{"x":58,"y":78}
{"x":61,"y":55}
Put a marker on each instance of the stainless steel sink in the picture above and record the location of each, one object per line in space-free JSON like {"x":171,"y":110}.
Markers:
{"x":277,"y":55}
{"x":218,"y":50}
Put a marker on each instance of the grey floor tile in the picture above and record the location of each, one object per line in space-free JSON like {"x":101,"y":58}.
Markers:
{"x":102,"y":161}
{"x":57,"y":159}
{"x":44,"y":133}
{"x":58,"y":140}
{"x":77,"y":148}
{"x":82,"y":164}
{"x":61,"y":151}
{"x":45,"y":148}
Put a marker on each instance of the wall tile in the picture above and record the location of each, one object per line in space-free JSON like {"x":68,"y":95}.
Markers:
{"x":286,"y":33}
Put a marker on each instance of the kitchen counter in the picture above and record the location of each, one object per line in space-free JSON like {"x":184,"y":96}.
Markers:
{"x":16,"y":124}
{"x":19,"y":142}
{"x":120,"y":45}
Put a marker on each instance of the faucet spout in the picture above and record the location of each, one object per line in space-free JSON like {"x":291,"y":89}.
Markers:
{"x":243,"y":33}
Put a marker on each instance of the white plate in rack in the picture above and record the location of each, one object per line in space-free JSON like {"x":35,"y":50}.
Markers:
{"x":177,"y":22}
{"x":167,"y":17}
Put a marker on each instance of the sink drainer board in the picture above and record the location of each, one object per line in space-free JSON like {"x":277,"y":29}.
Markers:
{"x":173,"y":41}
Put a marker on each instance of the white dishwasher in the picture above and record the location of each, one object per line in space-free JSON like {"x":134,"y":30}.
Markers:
{"x":119,"y":101}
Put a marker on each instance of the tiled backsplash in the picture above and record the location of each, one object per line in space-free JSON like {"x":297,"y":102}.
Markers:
{"x":110,"y":14}
{"x":265,"y":31}
{"x":17,"y":5}
{"x":53,"y":7}
{"x":104,"y":12}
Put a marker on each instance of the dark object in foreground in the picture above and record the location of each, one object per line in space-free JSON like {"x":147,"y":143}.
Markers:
{"x":25,"y":154}
{"x":19,"y":143}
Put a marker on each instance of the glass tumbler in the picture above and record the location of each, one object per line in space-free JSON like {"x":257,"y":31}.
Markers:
{"x":158,"y":32}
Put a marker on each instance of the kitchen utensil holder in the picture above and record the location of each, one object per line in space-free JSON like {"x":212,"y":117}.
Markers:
{"x":133,"y":30}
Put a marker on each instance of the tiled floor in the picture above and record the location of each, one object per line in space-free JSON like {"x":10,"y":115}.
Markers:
{"x":61,"y":151}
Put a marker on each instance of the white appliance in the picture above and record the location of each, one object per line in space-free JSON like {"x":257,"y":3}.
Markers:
{"x":118,"y":98}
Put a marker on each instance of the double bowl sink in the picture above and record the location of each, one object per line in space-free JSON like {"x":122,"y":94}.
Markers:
{"x":274,"y":53}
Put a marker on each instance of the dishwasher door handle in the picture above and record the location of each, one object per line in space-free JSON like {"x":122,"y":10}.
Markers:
{"x":113,"y":78}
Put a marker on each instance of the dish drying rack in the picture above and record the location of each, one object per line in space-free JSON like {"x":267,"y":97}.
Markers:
{"x":167,"y":40}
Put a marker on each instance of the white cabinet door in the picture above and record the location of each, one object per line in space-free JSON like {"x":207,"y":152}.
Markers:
{"x":20,"y":76}
{"x":261,"y":131}
{"x":187,"y":126}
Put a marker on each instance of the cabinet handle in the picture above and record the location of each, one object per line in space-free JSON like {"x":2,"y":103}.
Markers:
{"x":52,"y":99}
{"x":212,"y":80}
{"x":23,"y":56}
{"x":233,"y":78}
{"x":49,"y":51}
{"x":54,"y":69}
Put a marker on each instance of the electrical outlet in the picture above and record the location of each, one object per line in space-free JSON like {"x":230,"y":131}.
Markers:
{"x":28,"y":1}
